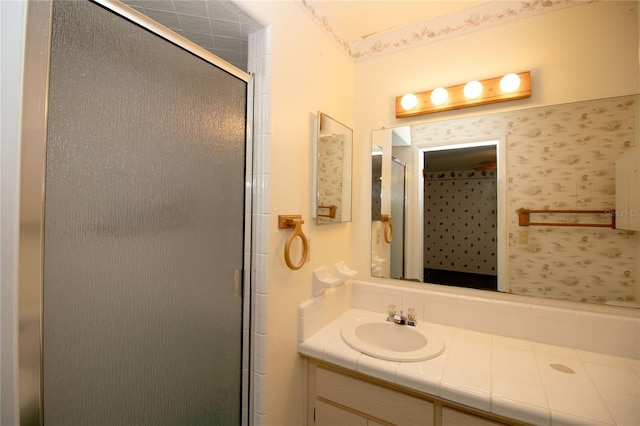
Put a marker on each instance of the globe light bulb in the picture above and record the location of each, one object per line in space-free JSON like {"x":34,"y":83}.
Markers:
{"x":439,"y":96}
{"x":510,"y":83}
{"x":472,"y":89}
{"x":409,"y":101}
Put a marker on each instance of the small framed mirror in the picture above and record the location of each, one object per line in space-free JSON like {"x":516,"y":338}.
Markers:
{"x":332,"y":171}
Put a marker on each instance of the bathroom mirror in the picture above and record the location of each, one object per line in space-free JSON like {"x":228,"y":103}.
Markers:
{"x":465,"y":178}
{"x":332,"y":171}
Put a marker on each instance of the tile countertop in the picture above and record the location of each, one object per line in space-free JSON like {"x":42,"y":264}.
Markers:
{"x":502,"y":375}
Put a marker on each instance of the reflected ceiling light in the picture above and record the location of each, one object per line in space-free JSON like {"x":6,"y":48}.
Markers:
{"x":510,"y":83}
{"x":439,"y":96}
{"x":472,"y":89}
{"x":409,"y":101}
{"x":481,"y":92}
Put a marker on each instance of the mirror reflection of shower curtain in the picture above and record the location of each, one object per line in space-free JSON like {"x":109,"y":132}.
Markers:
{"x":143,"y":246}
{"x":398,"y":201}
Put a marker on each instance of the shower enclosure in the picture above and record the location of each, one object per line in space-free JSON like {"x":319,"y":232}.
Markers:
{"x":398,"y":203}
{"x":134,"y":237}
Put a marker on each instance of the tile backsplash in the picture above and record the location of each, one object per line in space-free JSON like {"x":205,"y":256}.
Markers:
{"x":607,"y":330}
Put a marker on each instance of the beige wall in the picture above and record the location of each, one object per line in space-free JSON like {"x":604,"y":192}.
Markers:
{"x":582,"y":52}
{"x":309,"y":73}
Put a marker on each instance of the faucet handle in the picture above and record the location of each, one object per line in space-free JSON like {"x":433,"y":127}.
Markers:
{"x":411,"y":316}
{"x":411,"y":313}
{"x":392,"y":310}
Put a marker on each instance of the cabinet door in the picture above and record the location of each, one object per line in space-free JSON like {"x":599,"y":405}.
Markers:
{"x":330,"y":415}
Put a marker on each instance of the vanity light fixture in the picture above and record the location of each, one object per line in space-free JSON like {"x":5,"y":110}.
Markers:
{"x":409,"y":101}
{"x":477,"y":92}
{"x":439,"y":96}
{"x":510,"y":83}
{"x":472,"y":89}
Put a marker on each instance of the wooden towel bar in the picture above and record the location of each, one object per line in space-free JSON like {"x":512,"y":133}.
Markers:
{"x":523,"y":218}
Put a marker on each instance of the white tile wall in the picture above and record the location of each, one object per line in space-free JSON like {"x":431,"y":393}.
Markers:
{"x":320,"y":311}
{"x":259,"y":65}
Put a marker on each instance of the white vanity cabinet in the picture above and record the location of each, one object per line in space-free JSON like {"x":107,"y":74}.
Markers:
{"x":339,"y":397}
{"x":628,"y":190}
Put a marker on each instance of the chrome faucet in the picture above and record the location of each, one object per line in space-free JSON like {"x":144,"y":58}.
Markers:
{"x":410,"y":319}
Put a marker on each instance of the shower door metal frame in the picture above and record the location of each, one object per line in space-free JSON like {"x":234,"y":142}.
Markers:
{"x":402,"y":221}
{"x":32,"y":190}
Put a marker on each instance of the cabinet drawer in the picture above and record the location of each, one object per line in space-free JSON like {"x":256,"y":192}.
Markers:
{"x":376,"y":401}
{"x":453,"y":417}
{"x":329,"y":415}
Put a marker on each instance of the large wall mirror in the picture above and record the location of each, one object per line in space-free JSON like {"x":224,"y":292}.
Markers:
{"x":451,"y":189}
{"x":332,"y":171}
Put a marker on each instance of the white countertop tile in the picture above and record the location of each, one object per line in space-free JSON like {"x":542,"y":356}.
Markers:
{"x":543,"y":348}
{"x":424,"y":376}
{"x":316,"y":344}
{"x":510,"y":342}
{"x":339,"y":353}
{"x":379,"y":368}
{"x":518,"y":386}
{"x":624,"y":409}
{"x":563,"y":369}
{"x":537,"y":415}
{"x":576,"y":400}
{"x":520,"y":360}
{"x":467,"y":373}
{"x":564,"y":419}
{"x":507,"y":376}
{"x":613,"y":379}
{"x":464,"y":395}
{"x":603,"y":359}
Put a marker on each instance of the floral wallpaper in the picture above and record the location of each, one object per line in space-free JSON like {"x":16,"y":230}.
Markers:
{"x":562,"y":157}
{"x":479,"y":17}
{"x":330,"y":177}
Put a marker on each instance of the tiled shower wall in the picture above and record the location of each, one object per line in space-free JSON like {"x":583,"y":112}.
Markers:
{"x":561,"y":157}
{"x":460,"y":221}
{"x":260,"y":67}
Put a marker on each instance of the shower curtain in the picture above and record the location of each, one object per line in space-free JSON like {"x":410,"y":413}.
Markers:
{"x":143,"y":228}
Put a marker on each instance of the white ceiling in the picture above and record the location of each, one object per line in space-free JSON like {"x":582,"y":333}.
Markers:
{"x":221,"y":26}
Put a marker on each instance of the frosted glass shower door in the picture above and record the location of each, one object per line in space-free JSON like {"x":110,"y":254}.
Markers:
{"x":144,"y":218}
{"x":398,"y":201}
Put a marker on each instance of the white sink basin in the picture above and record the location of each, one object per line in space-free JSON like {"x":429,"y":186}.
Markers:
{"x":393,"y":342}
